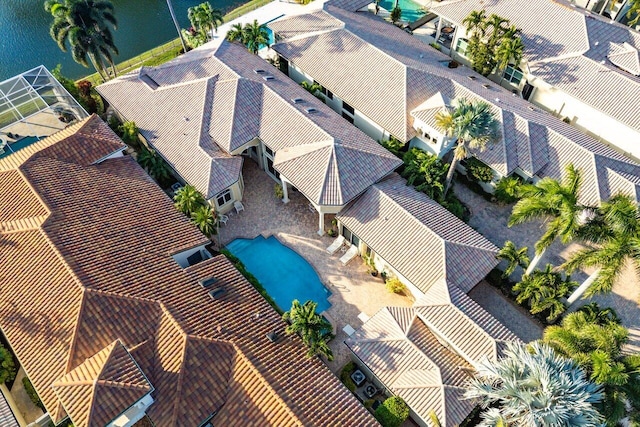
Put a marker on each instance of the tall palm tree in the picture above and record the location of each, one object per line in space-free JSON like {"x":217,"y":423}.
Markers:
{"x":544,"y":291}
{"x":84,"y":25}
{"x":205,"y":19}
{"x":236,"y":33}
{"x":534,"y":386}
{"x":556,"y":203}
{"x":510,"y":50}
{"x":175,"y":22}
{"x":187,"y":199}
{"x":312,"y":328}
{"x":615,"y":237}
{"x":255,"y":35}
{"x":634,"y":13}
{"x":205,"y":219}
{"x":513,"y":256}
{"x":473,"y":124}
{"x":595,"y":341}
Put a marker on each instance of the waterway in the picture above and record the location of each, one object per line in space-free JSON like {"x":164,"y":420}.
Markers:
{"x":142,"y":25}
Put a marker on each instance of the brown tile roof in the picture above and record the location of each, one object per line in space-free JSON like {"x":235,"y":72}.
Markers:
{"x":92,"y":272}
{"x":401,"y":225}
{"x":229,"y":105}
{"x":405,"y":72}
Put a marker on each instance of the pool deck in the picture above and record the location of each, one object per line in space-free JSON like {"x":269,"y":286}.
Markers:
{"x":353,"y":289}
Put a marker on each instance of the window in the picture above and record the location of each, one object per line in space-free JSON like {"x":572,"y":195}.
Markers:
{"x":512,"y":74}
{"x":348,"y":108}
{"x":347,"y":117}
{"x":326,"y":92}
{"x":268,"y":150}
{"x":461,"y":46}
{"x":223,"y":198}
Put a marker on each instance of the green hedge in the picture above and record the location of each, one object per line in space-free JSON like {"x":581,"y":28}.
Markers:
{"x":250,"y":278}
{"x":31,"y":392}
{"x":7,"y":366}
{"x":393,"y":412}
{"x":345,"y":376}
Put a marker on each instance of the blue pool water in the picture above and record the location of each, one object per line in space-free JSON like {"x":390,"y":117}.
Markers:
{"x":11,"y":148}
{"x":411,"y":11}
{"x":284,"y":274}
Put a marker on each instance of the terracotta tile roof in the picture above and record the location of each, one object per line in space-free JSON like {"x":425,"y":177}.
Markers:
{"x":92,"y":273}
{"x":391,"y":217}
{"x":532,"y":140}
{"x":229,"y":105}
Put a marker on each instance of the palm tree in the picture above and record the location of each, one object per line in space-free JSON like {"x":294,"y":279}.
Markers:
{"x":544,"y":290}
{"x":204,"y":18}
{"x":187,"y":199}
{"x":84,"y":25}
{"x":633,"y":13}
{"x":255,"y":36}
{"x":154,"y":165}
{"x":312,"y":328}
{"x":396,"y":14}
{"x":534,"y":386}
{"x":555,"y":202}
{"x":594,"y":339}
{"x":205,"y":219}
{"x":473,"y":124}
{"x":515,"y":257}
{"x":615,"y":235}
{"x":510,"y":50}
{"x":175,"y":22}
{"x":236,"y":33}
{"x":313,"y":88}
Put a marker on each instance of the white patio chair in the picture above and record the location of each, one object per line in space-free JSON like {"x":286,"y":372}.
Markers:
{"x":349,"y":255}
{"x":223,"y":219}
{"x":336,"y":245}
{"x":238,"y":206}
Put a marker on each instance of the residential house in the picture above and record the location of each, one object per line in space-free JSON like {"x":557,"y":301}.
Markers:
{"x":115,"y":309}
{"x":208,"y":110}
{"x":582,"y":67}
{"x":390,"y":78}
{"x":426,"y":353}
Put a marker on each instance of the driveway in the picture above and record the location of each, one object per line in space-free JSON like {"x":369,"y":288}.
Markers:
{"x":353,"y":289}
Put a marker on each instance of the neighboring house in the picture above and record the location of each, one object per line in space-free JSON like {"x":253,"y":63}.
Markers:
{"x":393,"y":80}
{"x":106,"y":306}
{"x":426,"y":353}
{"x":582,"y":67}
{"x":204,"y":110}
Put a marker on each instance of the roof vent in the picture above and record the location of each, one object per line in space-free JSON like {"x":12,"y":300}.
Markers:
{"x":312,"y":110}
{"x":258,"y":71}
{"x":272,"y":336}
{"x":421,"y":56}
{"x":531,"y":108}
{"x":471,"y":77}
{"x":267,"y":78}
{"x":497,"y":99}
{"x":298,"y":100}
{"x":185,"y":118}
{"x":486,"y":85}
{"x":208,"y":282}
{"x":218,"y":292}
{"x":603,"y":62}
{"x":596,"y":43}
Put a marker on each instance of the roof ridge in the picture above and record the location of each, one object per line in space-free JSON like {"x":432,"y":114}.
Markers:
{"x":113,"y":345}
{"x":181,"y":374}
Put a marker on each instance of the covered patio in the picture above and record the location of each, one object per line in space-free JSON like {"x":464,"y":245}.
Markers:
{"x":353,"y":289}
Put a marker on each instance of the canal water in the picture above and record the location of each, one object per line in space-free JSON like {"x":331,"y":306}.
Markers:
{"x":142,"y":24}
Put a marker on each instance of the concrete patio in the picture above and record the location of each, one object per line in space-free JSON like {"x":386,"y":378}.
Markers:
{"x":353,"y":289}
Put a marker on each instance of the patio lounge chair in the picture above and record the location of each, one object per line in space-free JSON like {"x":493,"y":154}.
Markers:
{"x":238,"y":205}
{"x":349,"y":255}
{"x":223,"y":219}
{"x":337,"y":244}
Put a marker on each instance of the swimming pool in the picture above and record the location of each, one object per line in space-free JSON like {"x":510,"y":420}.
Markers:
{"x":284,"y":274}
{"x":24,"y":142}
{"x":411,"y":11}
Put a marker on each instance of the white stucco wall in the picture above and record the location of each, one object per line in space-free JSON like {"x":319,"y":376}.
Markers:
{"x":181,"y":257}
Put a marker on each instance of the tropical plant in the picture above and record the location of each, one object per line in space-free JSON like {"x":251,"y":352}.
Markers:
{"x":187,"y":199}
{"x":493,"y":43}
{"x":534,"y":386}
{"x":395,"y":286}
{"x":345,"y":376}
{"x":393,"y":412}
{"x":513,"y":256}
{"x":312,"y":328}
{"x":278,"y":191}
{"x":84,"y":25}
{"x":205,"y":219}
{"x":175,"y":23}
{"x":86,"y":98}
{"x":194,"y":38}
{"x":31,"y":392}
{"x":614,"y":233}
{"x":425,"y":172}
{"x":313,"y":88}
{"x":394,"y":145}
{"x":473,"y":124}
{"x":7,"y":366}
{"x":129,"y":131}
{"x":557,"y":204}
{"x":478,"y":170}
{"x":543,"y":291}
{"x":396,"y":14}
{"x":154,"y":165}
{"x":594,"y":339}
{"x":236,"y":33}
{"x":255,"y":36}
{"x":205,"y":19}
{"x":507,"y":189}
{"x":633,"y":13}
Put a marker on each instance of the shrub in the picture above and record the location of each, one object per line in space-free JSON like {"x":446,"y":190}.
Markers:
{"x":396,"y":14}
{"x":7,"y":366}
{"x":31,"y":392}
{"x":435,"y":46}
{"x":369,"y":403}
{"x":478,"y":170}
{"x":425,"y":171}
{"x":345,"y":376}
{"x":86,"y":97}
{"x":396,"y":286}
{"x":393,"y":412}
{"x":456,"y":207}
{"x":507,"y":189}
{"x":278,"y":191}
{"x":394,"y":145}
{"x":129,"y":132}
